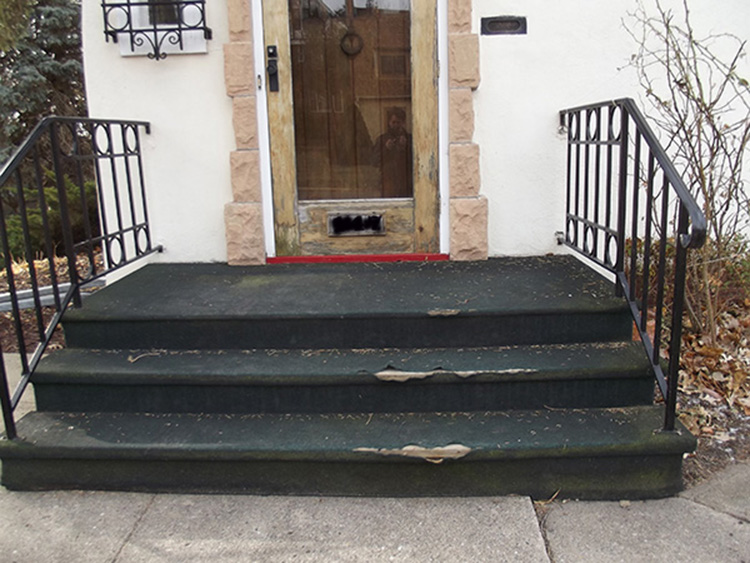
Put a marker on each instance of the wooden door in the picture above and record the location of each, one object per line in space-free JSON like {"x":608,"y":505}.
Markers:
{"x":353,"y":125}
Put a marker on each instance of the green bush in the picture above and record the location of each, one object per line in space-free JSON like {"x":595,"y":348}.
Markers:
{"x":77,"y":209}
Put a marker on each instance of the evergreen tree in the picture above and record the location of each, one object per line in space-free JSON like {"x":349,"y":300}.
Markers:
{"x":13,"y":19}
{"x":41,"y":74}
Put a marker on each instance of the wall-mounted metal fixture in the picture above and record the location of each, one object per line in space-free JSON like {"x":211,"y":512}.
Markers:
{"x":352,"y":43}
{"x":155,"y":27}
{"x":504,"y":25}
{"x":272,"y":68}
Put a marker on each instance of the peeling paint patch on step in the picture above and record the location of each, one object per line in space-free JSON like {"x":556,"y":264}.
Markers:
{"x":393,"y":374}
{"x":432,"y":455}
{"x":443,"y":312}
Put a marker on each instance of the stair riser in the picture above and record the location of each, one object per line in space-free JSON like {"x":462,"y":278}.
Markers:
{"x":382,"y":397}
{"x":605,"y":478}
{"x":584,"y":453}
{"x":416,"y":332}
{"x":205,"y":378}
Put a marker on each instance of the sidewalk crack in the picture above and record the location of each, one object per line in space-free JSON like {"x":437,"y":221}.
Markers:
{"x":733,"y":515}
{"x":542,"y":509}
{"x":133,"y":529}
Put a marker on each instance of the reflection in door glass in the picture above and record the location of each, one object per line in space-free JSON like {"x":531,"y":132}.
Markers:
{"x":351,"y":76}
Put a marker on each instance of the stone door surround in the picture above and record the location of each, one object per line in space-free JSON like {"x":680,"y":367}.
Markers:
{"x":243,"y":216}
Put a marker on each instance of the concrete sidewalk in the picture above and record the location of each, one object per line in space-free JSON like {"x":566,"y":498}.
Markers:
{"x":710,"y":522}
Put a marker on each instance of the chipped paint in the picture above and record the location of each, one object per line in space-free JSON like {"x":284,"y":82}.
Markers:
{"x":156,"y":353}
{"x":392,"y":374}
{"x":443,"y":312}
{"x":431,"y":455}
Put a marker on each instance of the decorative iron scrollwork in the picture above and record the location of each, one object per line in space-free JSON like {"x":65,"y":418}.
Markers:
{"x":154,"y":24}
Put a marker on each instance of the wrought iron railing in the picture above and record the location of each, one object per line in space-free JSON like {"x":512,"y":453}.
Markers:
{"x":73,"y":196}
{"x":629,"y":211}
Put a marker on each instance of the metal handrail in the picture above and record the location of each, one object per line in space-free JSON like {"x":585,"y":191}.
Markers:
{"x":611,"y":173}
{"x":42,"y":127}
{"x":71,"y":153}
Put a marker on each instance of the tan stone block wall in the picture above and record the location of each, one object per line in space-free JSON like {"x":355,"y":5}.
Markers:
{"x":461,"y":120}
{"x":468,"y":228}
{"x":243,"y":218}
{"x":245,"y":122}
{"x":463,"y":60}
{"x":239,"y":73}
{"x":240,"y":22}
{"x":244,"y":230}
{"x":468,"y":209}
{"x":459,"y":16}
{"x":245,"y":173}
{"x":464,"y":170}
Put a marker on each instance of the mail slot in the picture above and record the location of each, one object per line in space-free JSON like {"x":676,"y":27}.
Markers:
{"x":504,"y":25}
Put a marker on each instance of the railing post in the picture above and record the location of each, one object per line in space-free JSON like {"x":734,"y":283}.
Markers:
{"x":675,"y":341}
{"x":622,"y":197}
{"x":67,"y":231}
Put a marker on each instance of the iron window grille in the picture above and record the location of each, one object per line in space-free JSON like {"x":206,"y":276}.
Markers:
{"x":156,"y":27}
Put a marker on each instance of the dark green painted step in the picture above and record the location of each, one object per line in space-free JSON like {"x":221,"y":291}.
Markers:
{"x":501,"y":301}
{"x":594,"y":453}
{"x":365,"y":380}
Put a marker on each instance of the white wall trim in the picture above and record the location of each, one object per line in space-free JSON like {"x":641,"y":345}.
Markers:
{"x":443,"y":126}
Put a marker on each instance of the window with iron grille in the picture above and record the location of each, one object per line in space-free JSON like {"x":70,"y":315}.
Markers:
{"x":156,"y":28}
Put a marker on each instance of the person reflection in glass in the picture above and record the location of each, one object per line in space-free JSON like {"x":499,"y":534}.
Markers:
{"x":393,"y":155}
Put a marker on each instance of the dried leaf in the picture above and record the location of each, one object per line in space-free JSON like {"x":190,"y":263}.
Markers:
{"x":709,"y":352}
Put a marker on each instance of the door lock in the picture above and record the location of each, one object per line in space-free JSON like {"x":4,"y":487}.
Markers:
{"x":272,"y":68}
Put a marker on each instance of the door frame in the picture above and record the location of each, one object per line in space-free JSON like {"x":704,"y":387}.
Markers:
{"x":264,"y":140}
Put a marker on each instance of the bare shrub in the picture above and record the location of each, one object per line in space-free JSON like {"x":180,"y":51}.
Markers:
{"x":702,"y":108}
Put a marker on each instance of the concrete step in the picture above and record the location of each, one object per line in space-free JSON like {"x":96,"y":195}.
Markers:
{"x":592,"y":453}
{"x":510,"y":376}
{"x":499,"y":302}
{"x":360,"y":380}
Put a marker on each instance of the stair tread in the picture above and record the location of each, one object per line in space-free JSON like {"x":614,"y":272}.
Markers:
{"x":343,"y":366}
{"x":347,"y":379}
{"x":477,"y":435}
{"x":216,"y":291}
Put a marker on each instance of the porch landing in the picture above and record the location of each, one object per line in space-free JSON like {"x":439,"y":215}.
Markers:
{"x":507,"y":376}
{"x":507,"y":285}
{"x":496,"y":302}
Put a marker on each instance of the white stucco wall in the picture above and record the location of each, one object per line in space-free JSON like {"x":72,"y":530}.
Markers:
{"x":186,"y":156}
{"x":571,"y":56}
{"x":575,"y":52}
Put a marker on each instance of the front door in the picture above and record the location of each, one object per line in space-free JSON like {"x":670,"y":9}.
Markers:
{"x":352,"y":105}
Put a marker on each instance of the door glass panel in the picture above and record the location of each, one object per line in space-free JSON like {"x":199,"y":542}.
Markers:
{"x":351,"y":77}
